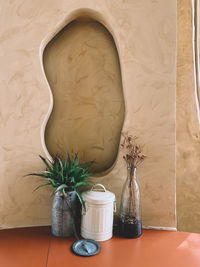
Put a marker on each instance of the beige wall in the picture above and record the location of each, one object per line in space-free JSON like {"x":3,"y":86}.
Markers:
{"x":145,"y":35}
{"x":187,"y":138}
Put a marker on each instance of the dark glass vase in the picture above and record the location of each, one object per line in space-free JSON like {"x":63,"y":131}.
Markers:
{"x":130,"y":225}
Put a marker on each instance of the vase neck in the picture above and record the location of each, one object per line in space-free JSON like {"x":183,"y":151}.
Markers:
{"x":131,"y":173}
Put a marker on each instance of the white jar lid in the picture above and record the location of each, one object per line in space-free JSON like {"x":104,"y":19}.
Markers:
{"x":98,"y":197}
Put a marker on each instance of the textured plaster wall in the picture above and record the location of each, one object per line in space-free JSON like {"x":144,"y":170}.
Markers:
{"x":145,"y":35}
{"x":187,"y":137}
{"x":83,"y":70}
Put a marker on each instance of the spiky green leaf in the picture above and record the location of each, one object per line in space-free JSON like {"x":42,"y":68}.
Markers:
{"x":70,"y":173}
{"x":61,"y":187}
{"x":80,"y":199}
{"x":48,"y":164}
{"x":41,"y":185}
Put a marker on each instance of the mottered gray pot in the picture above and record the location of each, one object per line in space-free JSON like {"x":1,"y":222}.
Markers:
{"x":64,"y":215}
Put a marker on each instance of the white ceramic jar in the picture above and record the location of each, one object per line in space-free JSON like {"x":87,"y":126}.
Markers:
{"x":97,"y":220}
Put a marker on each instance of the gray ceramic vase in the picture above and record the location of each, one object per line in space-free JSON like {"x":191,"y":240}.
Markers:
{"x":64,"y":210}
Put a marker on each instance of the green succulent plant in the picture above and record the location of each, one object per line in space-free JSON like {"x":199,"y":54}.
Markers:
{"x":65,"y":175}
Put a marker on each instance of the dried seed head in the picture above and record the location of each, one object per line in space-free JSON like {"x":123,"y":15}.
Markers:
{"x":133,"y":156}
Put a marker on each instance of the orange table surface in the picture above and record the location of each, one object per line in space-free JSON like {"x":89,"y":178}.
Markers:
{"x":27,"y":247}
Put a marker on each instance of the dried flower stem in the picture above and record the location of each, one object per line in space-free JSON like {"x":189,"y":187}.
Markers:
{"x":133,"y":156}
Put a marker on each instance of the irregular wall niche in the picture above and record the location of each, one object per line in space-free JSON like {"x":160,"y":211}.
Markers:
{"x":82,"y":67}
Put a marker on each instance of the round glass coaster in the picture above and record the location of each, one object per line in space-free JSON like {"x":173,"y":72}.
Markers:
{"x":86,"y":247}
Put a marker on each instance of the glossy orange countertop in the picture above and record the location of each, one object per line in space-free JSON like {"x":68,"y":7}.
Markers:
{"x":36,"y":247}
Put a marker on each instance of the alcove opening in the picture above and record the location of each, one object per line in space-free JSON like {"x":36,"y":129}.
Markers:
{"x":82,"y":67}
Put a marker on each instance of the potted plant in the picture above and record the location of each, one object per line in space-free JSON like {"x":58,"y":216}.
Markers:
{"x":66,"y":177}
